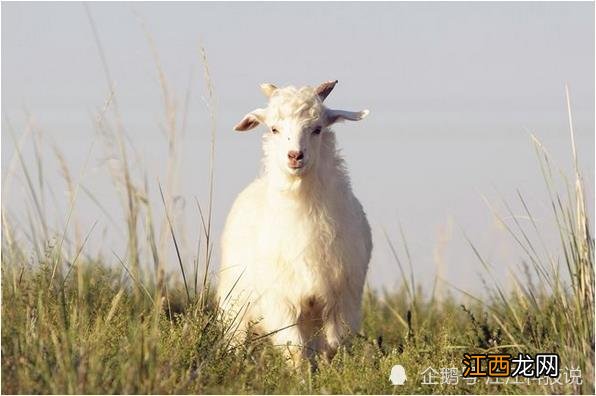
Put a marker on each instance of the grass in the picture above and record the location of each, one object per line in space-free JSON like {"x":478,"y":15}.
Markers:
{"x":99,"y":336}
{"x":76,"y":323}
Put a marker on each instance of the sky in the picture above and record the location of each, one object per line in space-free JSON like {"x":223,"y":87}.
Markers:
{"x":454,"y":90}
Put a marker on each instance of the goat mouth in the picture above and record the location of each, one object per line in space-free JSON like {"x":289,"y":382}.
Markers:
{"x":295,"y":165}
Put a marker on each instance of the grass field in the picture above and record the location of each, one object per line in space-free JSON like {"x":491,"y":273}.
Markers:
{"x":78,"y":324}
{"x":94,"y":332}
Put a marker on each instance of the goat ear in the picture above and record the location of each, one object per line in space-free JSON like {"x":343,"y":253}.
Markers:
{"x":340,"y":115}
{"x":251,"y":120}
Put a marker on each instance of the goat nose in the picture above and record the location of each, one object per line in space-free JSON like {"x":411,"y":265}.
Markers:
{"x":295,"y":155}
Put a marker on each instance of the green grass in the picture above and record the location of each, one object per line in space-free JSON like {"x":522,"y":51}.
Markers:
{"x":96,"y":335}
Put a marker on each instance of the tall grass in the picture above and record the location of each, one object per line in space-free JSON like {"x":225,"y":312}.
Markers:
{"x":72,"y":323}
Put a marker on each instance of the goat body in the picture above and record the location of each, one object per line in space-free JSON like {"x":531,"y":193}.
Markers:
{"x":295,"y":252}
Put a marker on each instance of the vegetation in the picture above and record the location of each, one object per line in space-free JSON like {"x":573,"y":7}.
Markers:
{"x":91,"y":333}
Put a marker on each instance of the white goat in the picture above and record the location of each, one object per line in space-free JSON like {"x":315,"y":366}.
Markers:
{"x":296,"y":244}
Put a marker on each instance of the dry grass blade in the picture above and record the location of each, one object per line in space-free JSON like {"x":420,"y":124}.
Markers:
{"x":136,"y":281}
{"x":32,"y":190}
{"x":210,"y":102}
{"x":409,"y":288}
{"x":131,"y":195}
{"x":58,"y":252}
{"x":175,"y":245}
{"x":76,"y":258}
{"x":70,"y":188}
{"x":157,"y":263}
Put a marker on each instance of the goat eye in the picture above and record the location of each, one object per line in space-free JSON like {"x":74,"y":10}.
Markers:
{"x":274,"y":130}
{"x":316,"y":131}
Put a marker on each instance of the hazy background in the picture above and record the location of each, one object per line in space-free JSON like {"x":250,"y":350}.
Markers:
{"x":454,"y":91}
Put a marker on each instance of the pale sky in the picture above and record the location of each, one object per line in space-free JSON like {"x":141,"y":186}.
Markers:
{"x":454,"y":90}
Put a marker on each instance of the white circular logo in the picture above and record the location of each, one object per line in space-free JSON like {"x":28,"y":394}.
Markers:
{"x":398,"y":375}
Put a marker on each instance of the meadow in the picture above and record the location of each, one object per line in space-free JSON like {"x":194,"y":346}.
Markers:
{"x":76,"y":323}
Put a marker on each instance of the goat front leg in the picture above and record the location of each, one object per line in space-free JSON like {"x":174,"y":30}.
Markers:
{"x":281,"y":322}
{"x":342,"y":321}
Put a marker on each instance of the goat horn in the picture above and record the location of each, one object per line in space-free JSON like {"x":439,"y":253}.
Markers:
{"x":268,"y":89}
{"x":325,"y":89}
